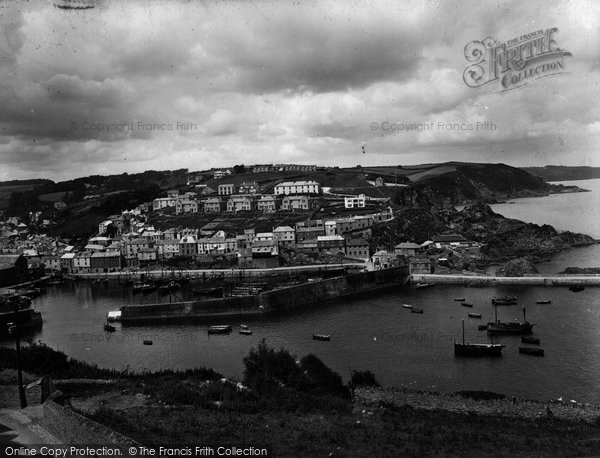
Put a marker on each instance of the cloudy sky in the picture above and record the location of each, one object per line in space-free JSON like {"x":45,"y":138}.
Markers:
{"x":102,"y":90}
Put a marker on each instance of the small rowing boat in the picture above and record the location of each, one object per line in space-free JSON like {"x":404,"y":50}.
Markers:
{"x":474,"y":315}
{"x":530,"y":340}
{"x":407,"y":306}
{"x":416,"y":310}
{"x":219,"y":329}
{"x":322,"y":337}
{"x":466,"y":304}
{"x":531,"y":351}
{"x":545,"y":301}
{"x":246,"y":332}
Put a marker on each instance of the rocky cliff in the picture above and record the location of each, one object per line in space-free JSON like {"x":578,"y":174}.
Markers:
{"x":491,"y":183}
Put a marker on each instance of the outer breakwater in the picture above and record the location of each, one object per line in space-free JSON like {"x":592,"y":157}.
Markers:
{"x":315,"y":293}
{"x":537,"y":280}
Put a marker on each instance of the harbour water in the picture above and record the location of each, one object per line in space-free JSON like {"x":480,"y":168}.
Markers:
{"x":401,"y":348}
{"x":575,"y":212}
{"x":378,"y":334}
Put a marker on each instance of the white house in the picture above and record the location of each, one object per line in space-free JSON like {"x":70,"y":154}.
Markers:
{"x":355,"y":201}
{"x":297,"y":187}
{"x":103,"y":227}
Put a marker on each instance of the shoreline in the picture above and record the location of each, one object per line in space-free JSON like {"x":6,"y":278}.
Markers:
{"x":531,"y":280}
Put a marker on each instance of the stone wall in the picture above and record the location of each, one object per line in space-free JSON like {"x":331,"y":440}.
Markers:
{"x":72,"y":428}
{"x":307,"y":294}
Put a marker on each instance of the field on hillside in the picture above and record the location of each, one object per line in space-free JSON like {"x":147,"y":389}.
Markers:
{"x":7,"y":190}
{"x":53,"y":196}
{"x":431,"y":173}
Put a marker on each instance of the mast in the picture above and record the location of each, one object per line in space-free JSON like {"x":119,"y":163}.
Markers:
{"x":495,"y":314}
{"x":463,"y":330}
{"x":524,"y":315}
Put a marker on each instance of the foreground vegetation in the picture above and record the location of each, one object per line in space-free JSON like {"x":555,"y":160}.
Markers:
{"x":299,"y":407}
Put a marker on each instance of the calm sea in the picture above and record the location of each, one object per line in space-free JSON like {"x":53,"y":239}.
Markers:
{"x":378,"y":333}
{"x":575,"y":212}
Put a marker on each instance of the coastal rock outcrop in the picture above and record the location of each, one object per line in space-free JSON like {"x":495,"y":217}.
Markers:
{"x":516,"y":268}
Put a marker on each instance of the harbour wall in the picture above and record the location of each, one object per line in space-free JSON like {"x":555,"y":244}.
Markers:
{"x":533,"y":280}
{"x":315,"y":293}
{"x":216,"y":273}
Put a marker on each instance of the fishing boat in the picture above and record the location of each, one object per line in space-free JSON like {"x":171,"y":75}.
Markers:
{"x":544,"y":301}
{"x":137,"y":288}
{"x":504,"y":300}
{"x":466,"y":304}
{"x":474,"y":315}
{"x":148,"y":288}
{"x":413,"y":310}
{"x":459,"y":299}
{"x":143,"y":288}
{"x":424,"y":285}
{"x":219,"y":329}
{"x":531,"y":351}
{"x":407,"y":306}
{"x":502,"y":327}
{"x":166,"y":289}
{"x":530,"y":340}
{"x":476,"y":349}
{"x":246,"y":332}
{"x":576,"y":288}
{"x":109,"y":328}
{"x":323,"y":337}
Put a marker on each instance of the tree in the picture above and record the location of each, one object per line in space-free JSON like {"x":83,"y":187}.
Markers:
{"x":239,"y":169}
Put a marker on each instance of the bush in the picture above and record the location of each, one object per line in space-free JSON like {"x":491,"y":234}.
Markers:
{"x":267,"y":369}
{"x":320,"y":379}
{"x":363,"y":378}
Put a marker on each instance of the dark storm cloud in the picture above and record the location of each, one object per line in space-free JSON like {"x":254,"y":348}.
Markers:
{"x":273,"y":81}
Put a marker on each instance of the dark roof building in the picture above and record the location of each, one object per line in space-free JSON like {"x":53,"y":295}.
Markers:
{"x":13,"y":269}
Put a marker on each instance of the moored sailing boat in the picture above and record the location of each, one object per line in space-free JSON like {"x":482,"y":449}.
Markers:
{"x":501,"y":327}
{"x":476,"y":349}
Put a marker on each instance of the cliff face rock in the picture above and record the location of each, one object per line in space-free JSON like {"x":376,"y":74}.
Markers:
{"x":516,"y":268}
{"x":429,"y":210}
{"x":531,"y":239}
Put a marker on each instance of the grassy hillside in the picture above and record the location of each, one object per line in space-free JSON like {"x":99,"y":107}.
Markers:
{"x":564,"y":173}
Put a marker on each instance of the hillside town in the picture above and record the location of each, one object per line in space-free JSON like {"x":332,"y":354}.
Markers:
{"x":285,"y":223}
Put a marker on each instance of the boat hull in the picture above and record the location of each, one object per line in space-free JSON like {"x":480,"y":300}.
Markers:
{"x":509,"y":328}
{"x":321,"y":337}
{"x":531,"y":351}
{"x":219,"y":329}
{"x":473,"y":349}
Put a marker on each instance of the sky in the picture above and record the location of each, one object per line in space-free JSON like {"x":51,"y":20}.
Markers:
{"x":153,"y":85}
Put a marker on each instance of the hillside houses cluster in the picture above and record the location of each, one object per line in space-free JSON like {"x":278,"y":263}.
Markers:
{"x":247,"y":196}
{"x":133,"y":243}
